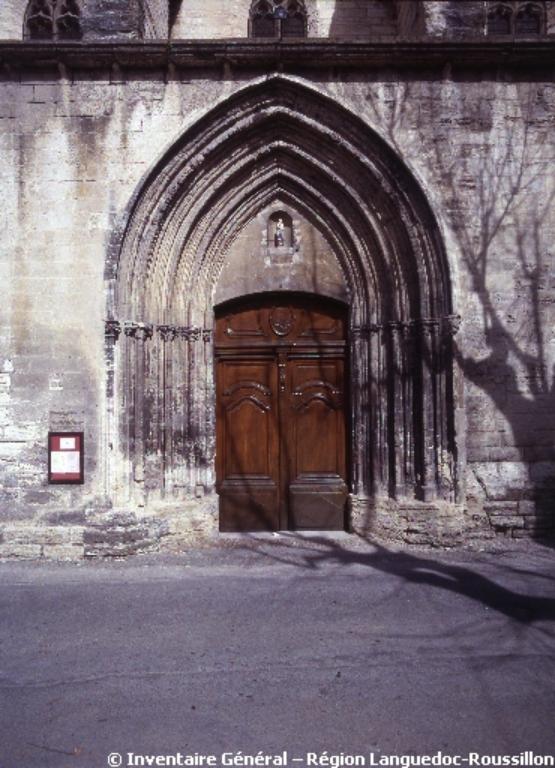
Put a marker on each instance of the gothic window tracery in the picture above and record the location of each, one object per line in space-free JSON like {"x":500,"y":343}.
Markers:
{"x":277,"y":18}
{"x":67,"y":21}
{"x":53,"y":20}
{"x":515,"y":18}
{"x":39,"y":22}
{"x":499,"y":20}
{"x":294,"y":25}
{"x":528,"y":20}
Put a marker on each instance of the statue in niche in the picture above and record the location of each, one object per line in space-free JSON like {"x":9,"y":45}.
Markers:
{"x":280,"y":232}
{"x":279,"y":237}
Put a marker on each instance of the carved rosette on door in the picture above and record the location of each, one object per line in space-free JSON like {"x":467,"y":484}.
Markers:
{"x":281,"y":434}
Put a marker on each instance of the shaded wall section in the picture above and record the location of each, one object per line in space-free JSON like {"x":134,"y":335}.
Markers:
{"x":352,"y":19}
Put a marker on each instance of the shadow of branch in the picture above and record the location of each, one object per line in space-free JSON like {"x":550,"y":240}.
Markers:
{"x":412,"y":568}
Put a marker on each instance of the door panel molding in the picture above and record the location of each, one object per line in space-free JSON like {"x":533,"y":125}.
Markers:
{"x":285,"y":468}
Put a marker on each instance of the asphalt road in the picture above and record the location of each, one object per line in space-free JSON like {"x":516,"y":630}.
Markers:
{"x":303,"y":645}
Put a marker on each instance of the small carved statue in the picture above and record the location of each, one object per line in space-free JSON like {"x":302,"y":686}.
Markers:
{"x":279,"y":239}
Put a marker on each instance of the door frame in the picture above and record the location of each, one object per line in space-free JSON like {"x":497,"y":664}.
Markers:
{"x":264,"y":351}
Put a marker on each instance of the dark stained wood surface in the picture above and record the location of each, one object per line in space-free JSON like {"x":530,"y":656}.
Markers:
{"x":281,"y":437}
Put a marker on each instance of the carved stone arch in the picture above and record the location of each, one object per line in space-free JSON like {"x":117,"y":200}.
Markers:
{"x":280,"y":139}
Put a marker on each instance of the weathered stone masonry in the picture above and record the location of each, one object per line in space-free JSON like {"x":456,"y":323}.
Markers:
{"x":420,"y":176}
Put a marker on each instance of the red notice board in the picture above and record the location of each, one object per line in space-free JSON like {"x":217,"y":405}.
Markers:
{"x":65,"y":457}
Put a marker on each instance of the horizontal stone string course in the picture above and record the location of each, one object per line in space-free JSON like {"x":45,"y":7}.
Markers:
{"x":144,"y":331}
{"x":448,"y":324}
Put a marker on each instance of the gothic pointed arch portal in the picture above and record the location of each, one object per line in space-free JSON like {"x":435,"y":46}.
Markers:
{"x":281,"y":140}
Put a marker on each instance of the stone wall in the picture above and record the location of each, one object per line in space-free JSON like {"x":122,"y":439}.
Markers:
{"x":453,"y":19}
{"x":346,"y":18}
{"x":110,"y":19}
{"x":351,"y":19}
{"x":207,"y":19}
{"x":100,"y":19}
{"x":76,"y":149}
{"x":156,"y":19}
{"x":12,"y":13}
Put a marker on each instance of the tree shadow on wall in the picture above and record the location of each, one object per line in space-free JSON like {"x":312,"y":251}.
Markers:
{"x":498,"y":196}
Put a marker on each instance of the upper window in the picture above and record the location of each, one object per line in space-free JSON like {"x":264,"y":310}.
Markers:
{"x":516,"y":18}
{"x":53,"y":20}
{"x":277,"y":18}
{"x":500,"y":20}
{"x":528,"y":20}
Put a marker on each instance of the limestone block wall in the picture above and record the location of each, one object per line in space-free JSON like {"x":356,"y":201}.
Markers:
{"x":101,"y":19}
{"x":156,"y":19}
{"x":75,"y":151}
{"x":452,"y":19}
{"x":11,"y":19}
{"x":206,"y":19}
{"x":353,"y":19}
{"x":109,"y":19}
{"x":73,"y":154}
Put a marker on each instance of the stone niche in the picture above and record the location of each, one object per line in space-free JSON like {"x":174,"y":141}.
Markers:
{"x":280,"y":250}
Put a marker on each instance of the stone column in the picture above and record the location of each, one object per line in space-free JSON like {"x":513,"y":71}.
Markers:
{"x":408,"y":386}
{"x":110,"y":444}
{"x":429,"y":335}
{"x":168,"y":334}
{"x":396,"y":406}
{"x":379,"y":378}
{"x":361,"y":406}
{"x":209,"y":403}
{"x":179,"y":414}
{"x":139,"y":334}
{"x":447,"y":459}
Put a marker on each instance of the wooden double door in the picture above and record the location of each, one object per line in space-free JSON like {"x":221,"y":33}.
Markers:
{"x":281,"y":414}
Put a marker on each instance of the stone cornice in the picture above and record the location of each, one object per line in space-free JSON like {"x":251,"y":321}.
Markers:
{"x":311,"y":53}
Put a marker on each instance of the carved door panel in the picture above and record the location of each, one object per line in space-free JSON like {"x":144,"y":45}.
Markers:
{"x":247,"y":445}
{"x":281,"y":436}
{"x":315,"y":443}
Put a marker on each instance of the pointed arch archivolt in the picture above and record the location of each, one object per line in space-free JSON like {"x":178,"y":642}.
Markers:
{"x":281,"y":139}
{"x":276,"y":130}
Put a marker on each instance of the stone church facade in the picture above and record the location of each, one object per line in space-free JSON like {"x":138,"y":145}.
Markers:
{"x":181,"y":180}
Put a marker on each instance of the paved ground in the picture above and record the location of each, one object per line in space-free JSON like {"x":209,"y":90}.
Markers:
{"x":304,"y":645}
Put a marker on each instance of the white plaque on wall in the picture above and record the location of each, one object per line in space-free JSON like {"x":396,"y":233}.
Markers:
{"x":65,"y":461}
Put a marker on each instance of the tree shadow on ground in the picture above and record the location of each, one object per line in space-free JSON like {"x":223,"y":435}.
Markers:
{"x":413,"y":568}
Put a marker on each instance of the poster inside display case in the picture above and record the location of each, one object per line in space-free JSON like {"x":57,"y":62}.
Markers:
{"x":65,"y":457}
